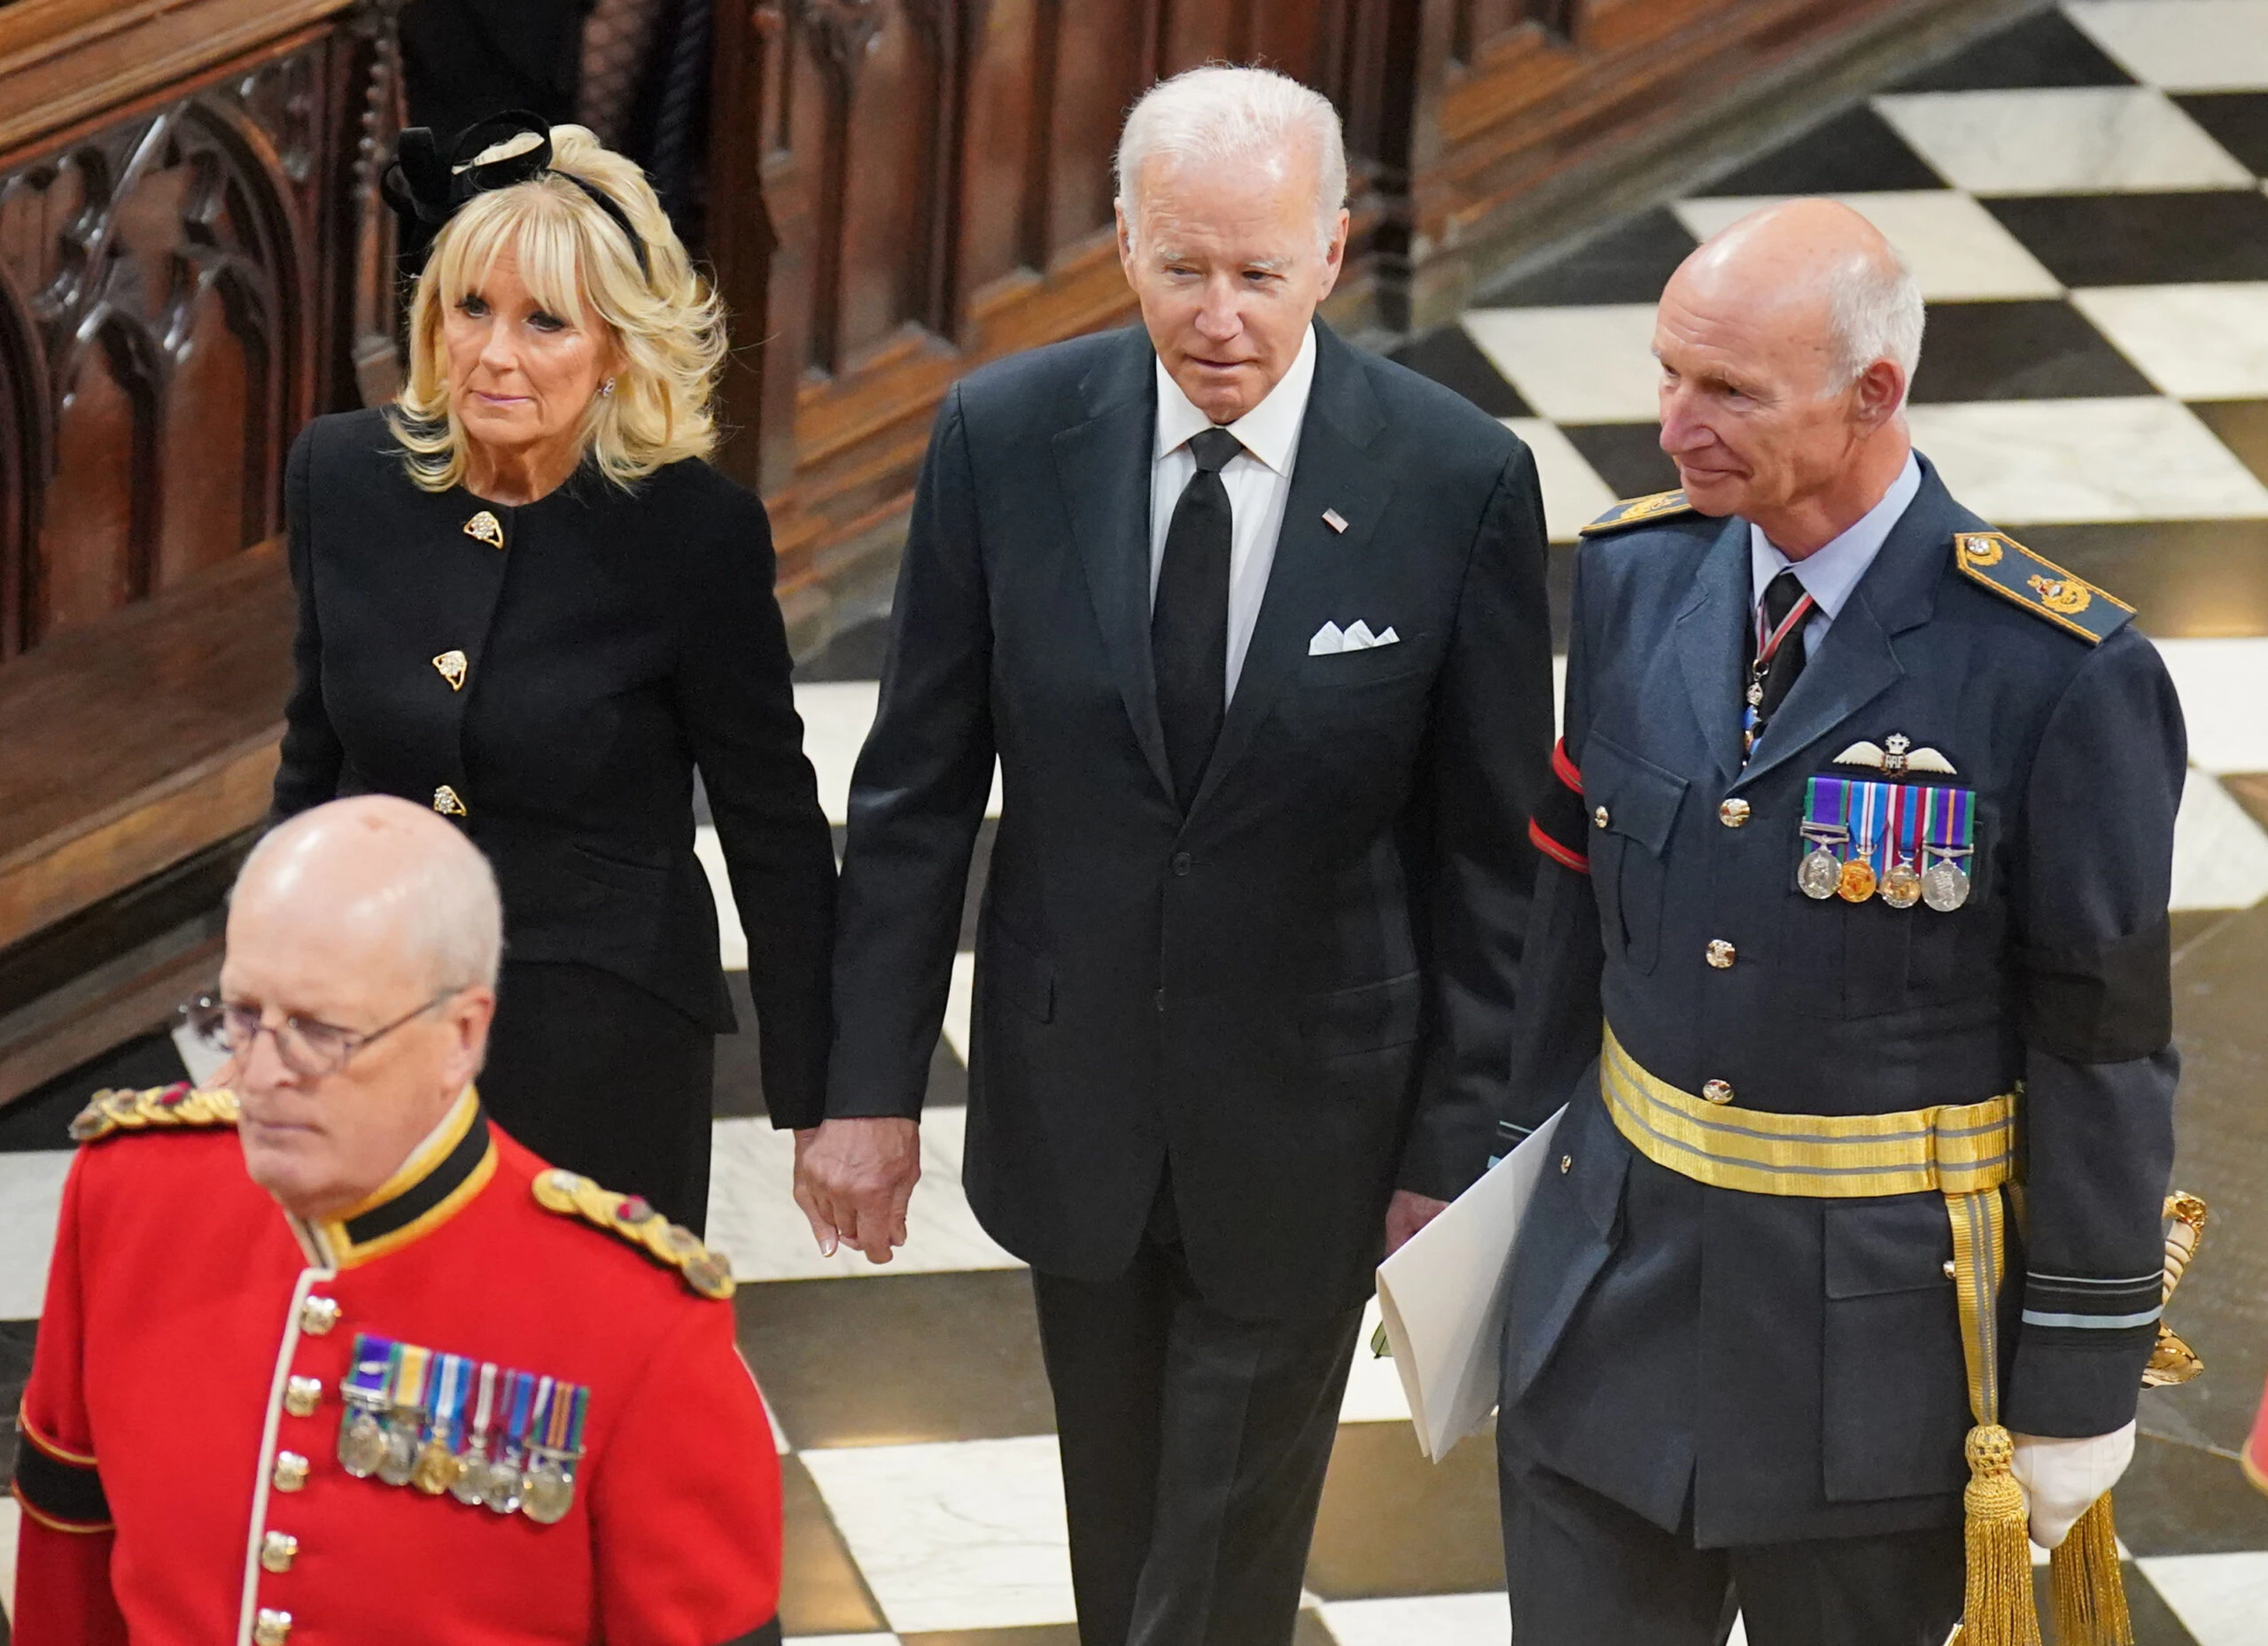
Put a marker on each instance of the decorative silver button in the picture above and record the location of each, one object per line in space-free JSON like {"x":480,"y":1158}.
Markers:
{"x":291,"y":1471}
{"x":1718,"y":1091}
{"x":271,"y":1628}
{"x":302,"y":1395}
{"x":318,"y":1315}
{"x":1720,"y":954}
{"x":1733,"y":813}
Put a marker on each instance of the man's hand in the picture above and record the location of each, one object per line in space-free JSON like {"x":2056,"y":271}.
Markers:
{"x":1407,"y":1213}
{"x":2062,"y":1479}
{"x":853,"y":1178}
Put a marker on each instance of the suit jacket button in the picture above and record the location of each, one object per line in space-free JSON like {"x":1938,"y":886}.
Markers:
{"x":1600,"y":817}
{"x":1720,"y":954}
{"x":1181,"y":862}
{"x":1718,"y":1091}
{"x":1733,"y":813}
{"x":1566,"y":1164}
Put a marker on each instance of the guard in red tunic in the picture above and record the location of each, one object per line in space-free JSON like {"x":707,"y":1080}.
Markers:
{"x":481,"y":1400}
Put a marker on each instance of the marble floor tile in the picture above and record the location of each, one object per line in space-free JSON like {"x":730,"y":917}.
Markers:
{"x":843,"y":1640}
{"x":898,"y":1362}
{"x":2199,"y":45}
{"x":2220,"y":855}
{"x":31,"y":1195}
{"x":1958,"y":250}
{"x":754,"y":1220}
{"x":837,"y":715}
{"x":732,"y":940}
{"x":961,"y":1536}
{"x":2242,"y":426}
{"x":2220,"y":1599}
{"x":2238,"y":120}
{"x":2019,"y":463}
{"x":1576,"y":364}
{"x":2249,"y":790}
{"x":1625,"y":262}
{"x":1856,"y":149}
{"x":820,"y":1592}
{"x":1573,"y":494}
{"x":1628,"y":456}
{"x":2204,"y":342}
{"x":2224,"y":684}
{"x":2185,"y":578}
{"x":1393,"y":1524}
{"x":1425,"y":1620}
{"x":960,"y":999}
{"x":1447,"y":355}
{"x":2019,"y":351}
{"x":1373,"y":1384}
{"x":2183,"y":1496}
{"x":2046,"y":48}
{"x":2062,"y":140}
{"x":2142,"y":239}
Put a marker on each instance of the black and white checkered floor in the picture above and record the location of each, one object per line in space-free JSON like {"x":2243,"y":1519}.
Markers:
{"x":2082,"y":197}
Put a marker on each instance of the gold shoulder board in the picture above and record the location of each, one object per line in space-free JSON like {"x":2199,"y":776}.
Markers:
{"x":2040,"y":586}
{"x":1640,"y":511}
{"x":156,"y":1108}
{"x":630,"y":1217}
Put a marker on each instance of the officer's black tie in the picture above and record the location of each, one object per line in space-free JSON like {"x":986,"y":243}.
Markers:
{"x":1775,"y":651}
{"x":1189,"y":620}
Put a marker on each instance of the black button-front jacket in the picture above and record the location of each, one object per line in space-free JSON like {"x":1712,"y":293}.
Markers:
{"x":611,"y":641}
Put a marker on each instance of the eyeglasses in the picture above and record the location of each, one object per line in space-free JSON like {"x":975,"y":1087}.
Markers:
{"x":310,"y":1047}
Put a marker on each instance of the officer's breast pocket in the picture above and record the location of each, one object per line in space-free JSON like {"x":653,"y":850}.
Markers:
{"x":1634,"y":807}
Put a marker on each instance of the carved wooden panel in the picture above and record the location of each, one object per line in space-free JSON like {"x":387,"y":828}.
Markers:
{"x":171,"y":280}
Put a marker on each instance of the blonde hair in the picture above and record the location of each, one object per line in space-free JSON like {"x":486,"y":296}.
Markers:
{"x":669,"y":331}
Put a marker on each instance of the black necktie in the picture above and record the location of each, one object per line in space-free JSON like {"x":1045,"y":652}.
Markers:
{"x":1776,"y":649}
{"x":1189,"y":619}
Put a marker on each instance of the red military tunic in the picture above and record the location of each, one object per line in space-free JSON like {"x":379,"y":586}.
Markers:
{"x":179,"y":1467}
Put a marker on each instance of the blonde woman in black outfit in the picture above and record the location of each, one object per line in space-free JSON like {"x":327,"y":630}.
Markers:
{"x":527,"y":600}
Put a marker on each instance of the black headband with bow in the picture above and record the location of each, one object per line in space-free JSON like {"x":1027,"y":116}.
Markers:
{"x":426,"y":188}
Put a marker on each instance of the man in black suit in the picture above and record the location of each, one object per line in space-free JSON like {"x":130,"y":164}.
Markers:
{"x":1256,"y":626}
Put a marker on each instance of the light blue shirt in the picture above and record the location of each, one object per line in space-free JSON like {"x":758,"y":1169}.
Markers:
{"x":1829,"y":573}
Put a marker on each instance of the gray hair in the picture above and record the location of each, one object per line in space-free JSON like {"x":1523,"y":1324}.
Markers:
{"x":445,"y":897}
{"x":1875,"y":312}
{"x":1219,"y":115}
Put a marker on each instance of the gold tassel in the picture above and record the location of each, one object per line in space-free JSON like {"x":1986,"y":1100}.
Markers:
{"x":2090,"y":1591}
{"x":1999,"y":1609}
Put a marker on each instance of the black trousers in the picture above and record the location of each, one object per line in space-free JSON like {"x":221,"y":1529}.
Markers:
{"x":604,"y":1078}
{"x":1583,"y":1569}
{"x":1194,"y":1445}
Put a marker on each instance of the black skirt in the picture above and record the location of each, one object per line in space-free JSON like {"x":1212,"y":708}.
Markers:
{"x":604,"y":1078}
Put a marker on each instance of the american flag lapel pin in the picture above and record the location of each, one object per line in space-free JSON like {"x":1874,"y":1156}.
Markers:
{"x":1336,"y":521}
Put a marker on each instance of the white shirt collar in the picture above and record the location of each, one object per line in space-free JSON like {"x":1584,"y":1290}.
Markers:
{"x":1829,"y":573}
{"x":1270,"y":430}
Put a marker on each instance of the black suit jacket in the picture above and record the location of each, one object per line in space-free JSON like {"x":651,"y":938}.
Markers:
{"x":616,"y":640}
{"x":1298,"y":994}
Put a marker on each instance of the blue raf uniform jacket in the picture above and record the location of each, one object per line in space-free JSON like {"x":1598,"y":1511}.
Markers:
{"x":1784,"y":1367}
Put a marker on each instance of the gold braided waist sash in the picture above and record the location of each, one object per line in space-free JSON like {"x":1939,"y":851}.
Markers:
{"x":1962,"y":1150}
{"x":1955,"y":1148}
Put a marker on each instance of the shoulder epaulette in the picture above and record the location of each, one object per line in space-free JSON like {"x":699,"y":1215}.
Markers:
{"x":632,"y":1218}
{"x":154,"y":1108}
{"x":1633,"y":511}
{"x":2040,"y":586}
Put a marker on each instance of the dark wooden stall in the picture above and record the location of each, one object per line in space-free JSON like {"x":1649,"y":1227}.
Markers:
{"x":904,"y":188}
{"x":191,"y":265}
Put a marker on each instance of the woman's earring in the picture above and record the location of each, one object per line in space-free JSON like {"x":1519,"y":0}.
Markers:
{"x":606,"y":388}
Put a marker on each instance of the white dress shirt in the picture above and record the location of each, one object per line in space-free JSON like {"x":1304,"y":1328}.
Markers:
{"x":1258,"y":480}
{"x":1830,"y":572}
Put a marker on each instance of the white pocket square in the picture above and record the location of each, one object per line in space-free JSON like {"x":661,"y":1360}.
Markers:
{"x":1331,"y":639}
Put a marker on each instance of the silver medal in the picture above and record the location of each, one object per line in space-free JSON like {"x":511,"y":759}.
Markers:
{"x":1819,"y":873}
{"x":361,"y":1443}
{"x":547,"y":1492}
{"x":502,"y":1493}
{"x":1944,"y":886}
{"x":398,"y":1459}
{"x":471,"y":1483}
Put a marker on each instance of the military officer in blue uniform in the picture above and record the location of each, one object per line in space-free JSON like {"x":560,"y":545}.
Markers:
{"x":1850,"y":963}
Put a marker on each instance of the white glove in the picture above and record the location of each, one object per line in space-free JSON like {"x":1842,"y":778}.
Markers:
{"x":2062,"y":1479}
